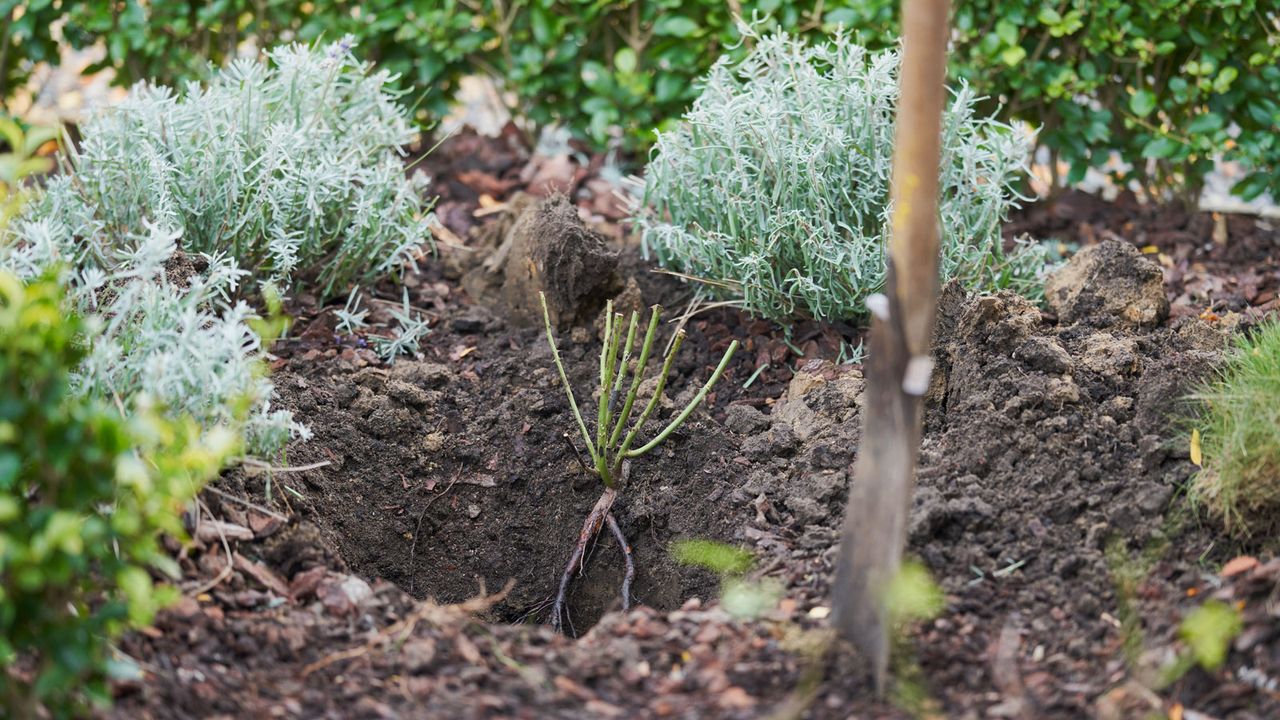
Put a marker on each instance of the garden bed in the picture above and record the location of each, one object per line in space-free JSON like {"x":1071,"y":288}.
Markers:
{"x":1048,"y":506}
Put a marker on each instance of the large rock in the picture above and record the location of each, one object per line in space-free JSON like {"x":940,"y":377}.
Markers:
{"x":1108,"y":284}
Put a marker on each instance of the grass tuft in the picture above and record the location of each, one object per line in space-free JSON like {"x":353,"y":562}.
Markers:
{"x":1239,"y":481}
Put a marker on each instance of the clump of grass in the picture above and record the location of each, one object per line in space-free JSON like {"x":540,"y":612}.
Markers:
{"x":774,"y":190}
{"x":1239,"y":433}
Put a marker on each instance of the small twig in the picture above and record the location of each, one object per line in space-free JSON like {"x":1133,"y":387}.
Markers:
{"x":721,"y":284}
{"x":1009,"y":569}
{"x":254,"y":506}
{"x":259,"y":466}
{"x":226,"y":547}
{"x":215,"y":582}
{"x":400,"y":304}
{"x":576,"y":455}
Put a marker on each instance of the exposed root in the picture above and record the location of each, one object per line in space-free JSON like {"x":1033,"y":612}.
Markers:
{"x":630,"y":573}
{"x":601,"y":514}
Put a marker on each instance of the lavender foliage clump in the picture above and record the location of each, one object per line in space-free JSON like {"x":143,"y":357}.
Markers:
{"x":182,"y":342}
{"x":287,"y":172}
{"x":774,"y":189}
{"x":293,"y":167}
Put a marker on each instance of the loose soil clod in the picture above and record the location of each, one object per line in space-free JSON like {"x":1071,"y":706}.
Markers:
{"x":549,"y":251}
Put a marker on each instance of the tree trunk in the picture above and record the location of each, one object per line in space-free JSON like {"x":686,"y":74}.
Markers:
{"x":899,"y":366}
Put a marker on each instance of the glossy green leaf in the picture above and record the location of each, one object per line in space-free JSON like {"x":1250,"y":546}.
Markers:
{"x":625,"y":60}
{"x":1142,"y":102}
{"x":1205,"y":123}
{"x":1161,"y":147}
{"x":1013,"y":56}
{"x":675,"y":26}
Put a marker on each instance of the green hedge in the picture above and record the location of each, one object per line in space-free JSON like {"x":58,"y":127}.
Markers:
{"x":84,"y":496}
{"x":1154,"y":80}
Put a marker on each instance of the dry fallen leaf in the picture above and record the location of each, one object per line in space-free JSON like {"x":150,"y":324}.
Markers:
{"x":1196,"y":456}
{"x":1237,"y":565}
{"x":264,"y":575}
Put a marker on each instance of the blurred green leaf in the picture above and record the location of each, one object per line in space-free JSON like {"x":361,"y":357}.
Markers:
{"x":913,"y":595}
{"x":1142,"y":102}
{"x":1161,"y":147}
{"x":1208,"y":631}
{"x":675,"y":26}
{"x":715,"y":556}
{"x":625,"y":60}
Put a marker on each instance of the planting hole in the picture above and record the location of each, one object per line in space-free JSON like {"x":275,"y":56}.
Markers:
{"x":442,"y":483}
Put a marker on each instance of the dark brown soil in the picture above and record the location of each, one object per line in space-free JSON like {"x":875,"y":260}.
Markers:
{"x":447,"y":478}
{"x":1212,"y":262}
{"x":1049,"y":509}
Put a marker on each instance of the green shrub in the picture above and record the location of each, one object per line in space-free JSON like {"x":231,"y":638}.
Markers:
{"x":424,"y":42}
{"x":292,"y":168}
{"x":84,"y":496}
{"x":19,"y":163}
{"x":1173,"y":83}
{"x":1169,"y":82}
{"x":774,"y":190}
{"x":25,"y":39}
{"x":594,"y":66}
{"x":621,"y":69}
{"x":1239,"y":438}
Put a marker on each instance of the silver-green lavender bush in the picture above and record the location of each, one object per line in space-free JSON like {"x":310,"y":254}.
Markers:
{"x":175,"y":339}
{"x":774,"y":190}
{"x":286,"y":173}
{"x":292,"y":167}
